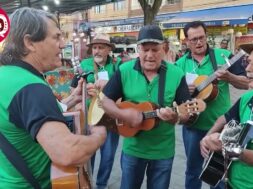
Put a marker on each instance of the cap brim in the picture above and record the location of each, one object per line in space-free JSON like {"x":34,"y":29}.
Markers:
{"x":150,"y":41}
{"x":247,"y":47}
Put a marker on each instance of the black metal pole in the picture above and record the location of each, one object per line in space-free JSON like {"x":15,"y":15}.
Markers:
{"x":29,"y":3}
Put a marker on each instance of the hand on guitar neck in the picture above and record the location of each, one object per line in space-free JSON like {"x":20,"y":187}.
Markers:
{"x":168,"y":114}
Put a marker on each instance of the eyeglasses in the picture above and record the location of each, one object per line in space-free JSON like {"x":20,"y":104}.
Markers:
{"x":196,"y":39}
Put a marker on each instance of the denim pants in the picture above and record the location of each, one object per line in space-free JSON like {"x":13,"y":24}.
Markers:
{"x":107,"y":152}
{"x":194,"y":162}
{"x":133,"y":169}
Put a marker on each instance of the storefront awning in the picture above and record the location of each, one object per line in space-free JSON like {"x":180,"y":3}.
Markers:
{"x":213,"y":17}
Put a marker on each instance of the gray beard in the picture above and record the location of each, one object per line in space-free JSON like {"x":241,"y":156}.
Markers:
{"x":98,"y":59}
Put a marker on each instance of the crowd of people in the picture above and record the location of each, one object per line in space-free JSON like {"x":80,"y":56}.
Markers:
{"x":32,"y":121}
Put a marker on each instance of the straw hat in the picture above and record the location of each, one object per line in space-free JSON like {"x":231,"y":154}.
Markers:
{"x":102,"y":38}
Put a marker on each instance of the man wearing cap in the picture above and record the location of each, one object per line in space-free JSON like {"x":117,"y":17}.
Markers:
{"x":203,"y":60}
{"x":103,"y":67}
{"x":240,"y":172}
{"x":138,"y":81}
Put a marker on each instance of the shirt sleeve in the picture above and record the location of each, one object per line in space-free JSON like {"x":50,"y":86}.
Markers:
{"x":32,"y":106}
{"x":182,"y":93}
{"x":113,"y":88}
{"x":233,"y":112}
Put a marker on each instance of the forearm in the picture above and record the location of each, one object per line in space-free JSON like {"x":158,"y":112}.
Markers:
{"x":69,"y":101}
{"x":239,"y":82}
{"x":218,"y":125}
{"x":247,"y":156}
{"x":65,"y":148}
{"x":79,"y":149}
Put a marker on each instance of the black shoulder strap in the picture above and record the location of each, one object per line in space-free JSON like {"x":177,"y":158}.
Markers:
{"x":213,"y":59}
{"x":17,"y":161}
{"x":161,"y":86}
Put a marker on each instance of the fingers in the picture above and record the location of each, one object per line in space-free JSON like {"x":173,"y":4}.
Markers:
{"x":203,"y":148}
{"x":167,"y":114}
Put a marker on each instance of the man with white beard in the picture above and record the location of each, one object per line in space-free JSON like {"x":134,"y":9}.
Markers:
{"x":103,"y":67}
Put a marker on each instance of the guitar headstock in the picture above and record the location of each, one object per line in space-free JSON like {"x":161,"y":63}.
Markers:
{"x":76,"y":65}
{"x":194,"y":106}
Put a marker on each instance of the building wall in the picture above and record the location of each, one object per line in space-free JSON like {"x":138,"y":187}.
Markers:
{"x":200,"y":4}
{"x":109,"y":13}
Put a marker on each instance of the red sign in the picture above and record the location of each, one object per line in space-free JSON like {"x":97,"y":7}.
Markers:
{"x":4,"y":25}
{"x":243,"y":39}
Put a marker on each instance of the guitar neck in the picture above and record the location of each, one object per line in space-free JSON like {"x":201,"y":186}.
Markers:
{"x":149,"y":115}
{"x":153,"y":114}
{"x":212,"y":77}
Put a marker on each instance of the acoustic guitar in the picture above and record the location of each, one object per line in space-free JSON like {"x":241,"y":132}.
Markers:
{"x":149,"y":121}
{"x":214,"y":169}
{"x":74,"y":177}
{"x":71,"y":177}
{"x":206,"y":89}
{"x":97,"y":115}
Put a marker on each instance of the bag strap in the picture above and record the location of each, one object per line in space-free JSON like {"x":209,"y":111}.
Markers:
{"x":17,"y":161}
{"x":161,"y":86}
{"x":213,"y":59}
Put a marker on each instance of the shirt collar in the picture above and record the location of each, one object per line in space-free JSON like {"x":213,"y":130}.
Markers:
{"x":26,"y":66}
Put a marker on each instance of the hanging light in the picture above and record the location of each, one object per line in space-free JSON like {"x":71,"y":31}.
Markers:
{"x":57,"y":2}
{"x":45,"y":7}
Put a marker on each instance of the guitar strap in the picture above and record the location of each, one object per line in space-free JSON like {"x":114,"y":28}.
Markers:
{"x":17,"y":161}
{"x":161,"y":86}
{"x":213,"y":59}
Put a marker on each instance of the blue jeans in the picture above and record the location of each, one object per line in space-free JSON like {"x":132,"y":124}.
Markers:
{"x":107,"y":152}
{"x":194,"y":162}
{"x":133,"y":169}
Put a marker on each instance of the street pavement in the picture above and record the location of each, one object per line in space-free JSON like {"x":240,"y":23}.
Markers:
{"x":178,"y":170}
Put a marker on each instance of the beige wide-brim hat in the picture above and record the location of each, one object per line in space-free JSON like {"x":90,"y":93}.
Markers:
{"x":247,"y":47}
{"x":101,"y":38}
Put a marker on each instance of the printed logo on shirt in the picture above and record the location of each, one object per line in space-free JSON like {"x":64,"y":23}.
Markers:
{"x":4,"y":25}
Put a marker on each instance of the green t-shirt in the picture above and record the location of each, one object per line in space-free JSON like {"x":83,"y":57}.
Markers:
{"x":240,"y":173}
{"x":110,"y":67}
{"x":12,"y":80}
{"x":159,"y":142}
{"x":221,"y":103}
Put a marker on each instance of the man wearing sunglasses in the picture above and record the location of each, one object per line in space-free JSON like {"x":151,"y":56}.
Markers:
{"x":203,"y":60}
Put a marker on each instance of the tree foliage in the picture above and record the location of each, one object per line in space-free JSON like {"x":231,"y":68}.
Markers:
{"x":150,"y":10}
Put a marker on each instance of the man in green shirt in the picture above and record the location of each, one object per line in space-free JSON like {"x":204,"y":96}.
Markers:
{"x":196,"y":62}
{"x":30,"y":116}
{"x":240,"y":172}
{"x":103,"y":66}
{"x":138,"y":81}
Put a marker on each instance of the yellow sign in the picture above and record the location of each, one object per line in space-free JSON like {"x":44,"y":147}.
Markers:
{"x":167,"y":33}
{"x":117,"y":34}
{"x":220,"y":30}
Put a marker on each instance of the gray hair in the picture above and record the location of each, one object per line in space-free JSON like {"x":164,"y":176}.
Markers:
{"x":24,"y":21}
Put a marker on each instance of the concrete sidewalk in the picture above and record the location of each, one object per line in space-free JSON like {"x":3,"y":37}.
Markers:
{"x":178,"y":171}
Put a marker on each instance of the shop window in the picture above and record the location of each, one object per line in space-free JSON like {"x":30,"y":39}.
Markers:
{"x":118,"y":5}
{"x":173,"y":1}
{"x":99,"y":9}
